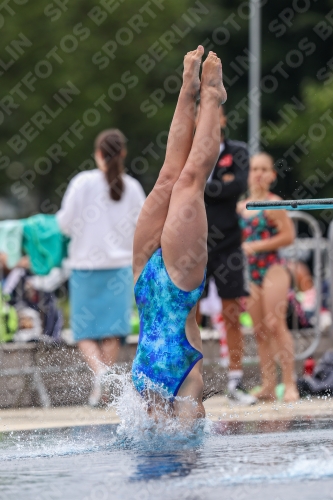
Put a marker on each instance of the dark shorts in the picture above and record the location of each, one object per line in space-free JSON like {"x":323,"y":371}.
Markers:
{"x":229,"y":270}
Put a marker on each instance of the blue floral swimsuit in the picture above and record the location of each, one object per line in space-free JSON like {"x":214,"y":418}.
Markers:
{"x":164,"y":356}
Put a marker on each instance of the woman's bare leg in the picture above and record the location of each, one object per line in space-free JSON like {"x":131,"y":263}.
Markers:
{"x":254,"y":305}
{"x":184,"y":236}
{"x":275,"y":291}
{"x":231,"y":310}
{"x":154,"y":212}
{"x":110,"y":350}
{"x":92,"y":354}
{"x":98,"y":356}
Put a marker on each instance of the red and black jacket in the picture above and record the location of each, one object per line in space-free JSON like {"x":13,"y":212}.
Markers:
{"x":221,"y":197}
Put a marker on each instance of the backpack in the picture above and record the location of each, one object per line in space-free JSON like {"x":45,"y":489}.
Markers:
{"x":42,"y":302}
{"x":8,"y":320}
{"x":321,"y":382}
{"x":295,"y":315}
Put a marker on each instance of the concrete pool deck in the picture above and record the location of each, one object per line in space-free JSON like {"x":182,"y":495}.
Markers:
{"x":217,"y":408}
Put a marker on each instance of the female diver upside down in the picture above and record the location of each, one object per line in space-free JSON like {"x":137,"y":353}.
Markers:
{"x":170,"y":245}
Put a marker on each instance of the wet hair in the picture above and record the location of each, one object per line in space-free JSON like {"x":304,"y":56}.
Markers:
{"x":267,"y":156}
{"x":210,"y":392}
{"x":111,"y":143}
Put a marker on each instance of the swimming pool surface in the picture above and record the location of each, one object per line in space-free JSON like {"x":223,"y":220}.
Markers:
{"x":249,"y":460}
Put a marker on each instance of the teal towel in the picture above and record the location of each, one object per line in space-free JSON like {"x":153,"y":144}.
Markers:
{"x":45,"y":245}
{"x":11,"y":241}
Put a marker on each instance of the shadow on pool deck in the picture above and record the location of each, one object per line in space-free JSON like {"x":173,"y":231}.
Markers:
{"x":218,"y":408}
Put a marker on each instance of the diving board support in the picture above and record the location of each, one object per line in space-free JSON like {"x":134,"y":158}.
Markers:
{"x":330,"y":261}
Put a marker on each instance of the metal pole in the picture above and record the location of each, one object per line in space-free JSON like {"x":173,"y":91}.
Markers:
{"x":254,"y":77}
{"x":330,"y":262}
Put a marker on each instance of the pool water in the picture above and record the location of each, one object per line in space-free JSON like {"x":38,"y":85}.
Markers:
{"x":227,"y":460}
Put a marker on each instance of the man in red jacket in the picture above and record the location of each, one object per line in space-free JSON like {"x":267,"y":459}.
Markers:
{"x":226,"y":265}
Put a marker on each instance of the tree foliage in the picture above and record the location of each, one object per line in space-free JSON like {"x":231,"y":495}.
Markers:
{"x":118,"y":64}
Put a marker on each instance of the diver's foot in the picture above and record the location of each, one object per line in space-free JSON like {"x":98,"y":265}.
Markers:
{"x":240,"y":395}
{"x":290,"y":393}
{"x":192,"y":62}
{"x":211,"y":79}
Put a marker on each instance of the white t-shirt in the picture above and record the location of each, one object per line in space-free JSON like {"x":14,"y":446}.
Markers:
{"x":101,"y":229}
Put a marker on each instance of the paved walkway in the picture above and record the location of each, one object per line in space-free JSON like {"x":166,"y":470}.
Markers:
{"x":217,"y":408}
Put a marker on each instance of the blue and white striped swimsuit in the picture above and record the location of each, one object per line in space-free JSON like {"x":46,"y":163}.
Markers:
{"x":164,"y":356}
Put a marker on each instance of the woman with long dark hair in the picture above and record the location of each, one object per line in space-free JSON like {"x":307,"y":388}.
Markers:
{"x":99,"y":213}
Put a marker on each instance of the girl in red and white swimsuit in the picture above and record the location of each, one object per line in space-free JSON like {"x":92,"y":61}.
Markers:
{"x":264,"y":232}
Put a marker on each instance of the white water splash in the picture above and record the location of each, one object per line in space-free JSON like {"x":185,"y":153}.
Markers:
{"x":138,"y":426}
{"x":314,"y":468}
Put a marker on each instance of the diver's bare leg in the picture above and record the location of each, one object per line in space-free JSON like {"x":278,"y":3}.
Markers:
{"x":154,"y":212}
{"x":184,"y":237}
